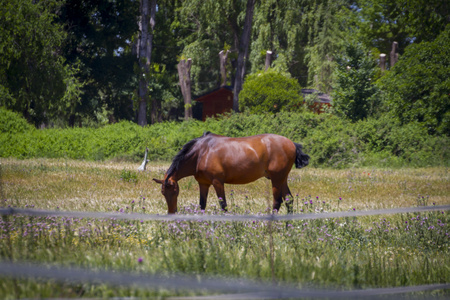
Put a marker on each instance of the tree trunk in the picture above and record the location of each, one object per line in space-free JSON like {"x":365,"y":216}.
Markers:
{"x":223,"y":56}
{"x":147,"y":11}
{"x":394,"y":54}
{"x":184,"y":74}
{"x":156,"y":103}
{"x":243,"y":53}
{"x":383,"y":62}
{"x":268,"y":59}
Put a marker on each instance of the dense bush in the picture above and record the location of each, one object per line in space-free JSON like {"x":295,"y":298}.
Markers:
{"x":329,"y":140}
{"x":11,"y":122}
{"x":270,"y":91}
{"x":417,"y":88}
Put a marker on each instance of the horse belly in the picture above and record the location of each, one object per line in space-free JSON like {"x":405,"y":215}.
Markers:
{"x":243,"y":179}
{"x":244,"y":173}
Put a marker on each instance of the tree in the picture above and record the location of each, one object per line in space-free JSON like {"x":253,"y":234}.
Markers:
{"x":279,"y":28}
{"x":425,"y":19}
{"x":214,"y":25}
{"x":305,"y":37}
{"x":243,"y":51}
{"x":99,"y":39}
{"x":145,"y":44}
{"x":164,"y":90}
{"x":204,"y":30}
{"x":270,"y":92}
{"x":325,"y":22}
{"x":417,"y":88}
{"x":34,"y":78}
{"x":378,"y":23}
{"x":354,"y":90}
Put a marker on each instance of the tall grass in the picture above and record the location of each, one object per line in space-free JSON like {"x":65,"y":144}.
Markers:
{"x":347,"y":253}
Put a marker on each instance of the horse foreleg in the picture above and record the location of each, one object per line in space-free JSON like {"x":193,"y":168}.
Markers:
{"x":204,"y":188}
{"x":220,"y":191}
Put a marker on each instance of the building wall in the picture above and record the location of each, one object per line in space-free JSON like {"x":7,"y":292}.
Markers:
{"x":216,"y":103}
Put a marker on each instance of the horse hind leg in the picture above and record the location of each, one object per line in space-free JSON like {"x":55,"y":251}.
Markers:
{"x":281,"y":193}
{"x":277,"y":198}
{"x":277,"y":191}
{"x":287,"y":196}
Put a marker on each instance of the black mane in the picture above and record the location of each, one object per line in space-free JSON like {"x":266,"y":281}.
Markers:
{"x":182,"y":155}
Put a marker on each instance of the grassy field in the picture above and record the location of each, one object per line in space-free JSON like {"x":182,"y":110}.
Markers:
{"x":347,"y":253}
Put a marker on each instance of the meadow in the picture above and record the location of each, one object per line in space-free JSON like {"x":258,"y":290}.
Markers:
{"x":343,"y":253}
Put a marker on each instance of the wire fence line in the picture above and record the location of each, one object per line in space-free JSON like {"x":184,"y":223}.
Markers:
{"x":221,"y":217}
{"x":235,"y":289}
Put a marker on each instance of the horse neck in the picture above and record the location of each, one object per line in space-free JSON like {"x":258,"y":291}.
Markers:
{"x":187,"y":168}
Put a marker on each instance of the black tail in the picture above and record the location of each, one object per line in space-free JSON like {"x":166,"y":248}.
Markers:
{"x":301,"y":159}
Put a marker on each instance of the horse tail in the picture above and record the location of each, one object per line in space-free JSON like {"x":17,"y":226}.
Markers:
{"x":301,"y":159}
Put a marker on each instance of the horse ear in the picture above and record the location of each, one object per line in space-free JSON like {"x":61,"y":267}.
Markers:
{"x":158,"y":181}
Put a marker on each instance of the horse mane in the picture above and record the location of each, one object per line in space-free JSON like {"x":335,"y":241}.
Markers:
{"x":182,"y":155}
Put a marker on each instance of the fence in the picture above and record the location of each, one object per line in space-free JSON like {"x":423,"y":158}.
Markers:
{"x":234,"y":289}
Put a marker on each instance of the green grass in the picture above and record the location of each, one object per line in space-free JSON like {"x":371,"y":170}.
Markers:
{"x":346,"y":253}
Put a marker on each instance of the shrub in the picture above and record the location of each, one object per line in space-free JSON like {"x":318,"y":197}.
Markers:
{"x":11,"y":122}
{"x":270,"y":91}
{"x":387,"y":142}
{"x":417,"y":88}
{"x":329,"y":140}
{"x":333,"y":143}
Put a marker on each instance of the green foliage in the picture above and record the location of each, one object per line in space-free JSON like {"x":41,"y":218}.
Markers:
{"x":323,"y":22}
{"x":381,"y":22}
{"x":270,"y":91}
{"x":388,"y":143}
{"x":69,"y":63}
{"x":12,"y":123}
{"x":354,"y":92}
{"x":128,"y":176}
{"x":329,"y":140}
{"x":33,"y":76}
{"x":332,"y":143}
{"x":98,"y":42}
{"x":418,"y":87}
{"x":279,"y":30}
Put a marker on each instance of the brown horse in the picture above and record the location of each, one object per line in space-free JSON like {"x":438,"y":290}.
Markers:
{"x":215,"y":160}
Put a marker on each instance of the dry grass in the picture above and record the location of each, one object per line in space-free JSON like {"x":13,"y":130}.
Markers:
{"x":97,"y":186}
{"x":349,"y":253}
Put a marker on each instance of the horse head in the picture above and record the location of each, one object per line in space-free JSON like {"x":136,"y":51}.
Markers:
{"x":170,"y":190}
